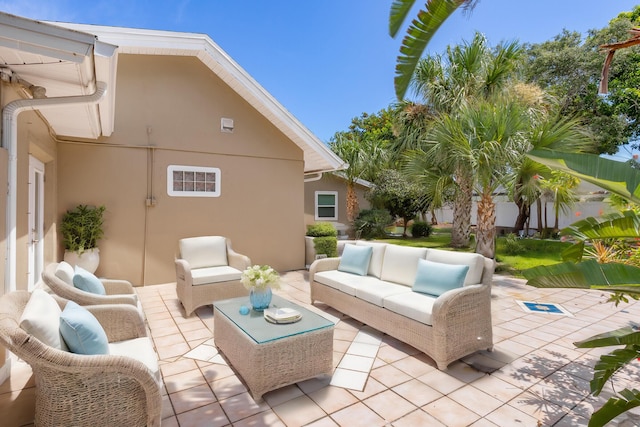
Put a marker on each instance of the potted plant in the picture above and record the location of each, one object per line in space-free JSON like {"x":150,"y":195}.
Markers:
{"x":81,"y":229}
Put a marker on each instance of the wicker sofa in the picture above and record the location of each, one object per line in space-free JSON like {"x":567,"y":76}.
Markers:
{"x":445,"y":327}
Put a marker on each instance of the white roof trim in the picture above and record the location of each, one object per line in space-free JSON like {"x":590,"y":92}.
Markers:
{"x":318,"y":157}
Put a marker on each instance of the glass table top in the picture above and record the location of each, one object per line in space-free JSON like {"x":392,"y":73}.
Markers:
{"x":262,"y":331}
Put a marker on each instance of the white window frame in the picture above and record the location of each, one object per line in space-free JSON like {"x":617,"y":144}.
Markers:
{"x":192,"y":193}
{"x":326,"y":193}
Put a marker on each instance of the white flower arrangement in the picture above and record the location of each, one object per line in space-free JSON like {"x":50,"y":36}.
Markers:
{"x":260,"y":277}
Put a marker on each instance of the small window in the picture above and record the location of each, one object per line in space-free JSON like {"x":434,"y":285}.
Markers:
{"x":193,"y":181}
{"x":327,"y":205}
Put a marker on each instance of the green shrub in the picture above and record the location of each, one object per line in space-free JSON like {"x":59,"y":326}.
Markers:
{"x":326,"y":245}
{"x":321,"y":229}
{"x":372,"y":222}
{"x":512,"y":245}
{"x":421,"y":229}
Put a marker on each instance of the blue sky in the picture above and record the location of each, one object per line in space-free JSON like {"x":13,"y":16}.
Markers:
{"x":326,"y":61}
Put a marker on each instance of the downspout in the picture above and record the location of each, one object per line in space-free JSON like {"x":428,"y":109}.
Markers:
{"x":10,"y":142}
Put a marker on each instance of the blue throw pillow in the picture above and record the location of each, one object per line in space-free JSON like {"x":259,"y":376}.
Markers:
{"x":436,"y":278}
{"x":81,"y":331}
{"x":355,"y":259}
{"x":86,"y":281}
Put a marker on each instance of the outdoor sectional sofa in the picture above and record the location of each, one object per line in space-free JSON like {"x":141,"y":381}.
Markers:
{"x":408,"y":293}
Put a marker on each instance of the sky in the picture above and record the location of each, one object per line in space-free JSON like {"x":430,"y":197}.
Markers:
{"x":326,"y":61}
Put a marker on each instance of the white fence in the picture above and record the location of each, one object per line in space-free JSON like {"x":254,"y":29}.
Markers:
{"x":507,"y":212}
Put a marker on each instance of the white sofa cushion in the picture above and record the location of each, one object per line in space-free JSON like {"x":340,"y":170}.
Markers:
{"x":41,"y":318}
{"x":345,"y":282}
{"x":204,"y":251}
{"x":375,"y":293}
{"x":224,"y":273}
{"x":400,"y":264}
{"x":377,"y":255}
{"x":413,"y":305}
{"x":474,"y":261}
{"x":140,"y":349}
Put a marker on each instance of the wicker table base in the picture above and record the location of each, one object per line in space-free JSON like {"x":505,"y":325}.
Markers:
{"x":274,"y":364}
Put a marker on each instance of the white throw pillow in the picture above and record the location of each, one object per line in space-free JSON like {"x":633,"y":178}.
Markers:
{"x":41,"y":318}
{"x":375,"y":266}
{"x":65,"y":272}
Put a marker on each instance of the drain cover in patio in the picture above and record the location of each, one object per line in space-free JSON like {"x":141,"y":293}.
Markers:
{"x":543,"y":307}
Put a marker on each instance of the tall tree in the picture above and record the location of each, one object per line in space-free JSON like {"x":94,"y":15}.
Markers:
{"x":363,"y":147}
{"x":446,"y":84}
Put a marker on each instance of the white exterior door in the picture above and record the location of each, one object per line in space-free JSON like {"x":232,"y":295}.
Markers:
{"x":36,"y":225}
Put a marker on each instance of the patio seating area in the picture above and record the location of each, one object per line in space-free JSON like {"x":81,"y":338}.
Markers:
{"x":534,"y":376}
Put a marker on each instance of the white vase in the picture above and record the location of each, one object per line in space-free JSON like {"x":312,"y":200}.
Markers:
{"x":89,"y":260}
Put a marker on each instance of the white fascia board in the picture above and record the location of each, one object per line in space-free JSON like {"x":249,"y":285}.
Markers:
{"x":44,"y":39}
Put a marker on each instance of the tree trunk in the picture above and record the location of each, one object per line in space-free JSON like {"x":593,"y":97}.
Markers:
{"x":352,"y":203}
{"x":539,"y":212}
{"x":434,"y":220}
{"x":523,"y":214}
{"x":461,"y":227}
{"x":486,"y":227}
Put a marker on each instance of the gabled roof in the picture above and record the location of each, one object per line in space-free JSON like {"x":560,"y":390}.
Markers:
{"x":317,"y":156}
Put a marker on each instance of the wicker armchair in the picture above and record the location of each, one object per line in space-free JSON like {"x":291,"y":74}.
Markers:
{"x":74,"y":389}
{"x":117,"y":291}
{"x":208,"y":270}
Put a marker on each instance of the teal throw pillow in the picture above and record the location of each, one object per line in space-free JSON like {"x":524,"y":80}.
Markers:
{"x":355,"y":259}
{"x":436,"y":278}
{"x":87,"y":281}
{"x":81,"y":331}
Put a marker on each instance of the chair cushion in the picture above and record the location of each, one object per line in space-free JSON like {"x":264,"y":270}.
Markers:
{"x":355,"y":259}
{"x":64,"y":271}
{"x":140,"y":349}
{"x":87,"y":281}
{"x":346,"y":282}
{"x":400,"y":264}
{"x":474,"y":261}
{"x":41,"y":318}
{"x":436,"y":278}
{"x":81,"y":331}
{"x":202,"y":276}
{"x":204,"y":251}
{"x":377,"y":255}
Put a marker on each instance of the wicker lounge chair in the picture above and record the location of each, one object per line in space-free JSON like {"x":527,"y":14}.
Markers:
{"x":117,"y":291}
{"x":208,"y":270}
{"x":91,"y":390}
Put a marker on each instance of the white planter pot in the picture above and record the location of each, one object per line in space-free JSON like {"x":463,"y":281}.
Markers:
{"x":89,"y":260}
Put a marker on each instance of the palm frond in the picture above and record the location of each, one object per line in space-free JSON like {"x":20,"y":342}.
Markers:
{"x":614,"y":407}
{"x":418,"y":35}
{"x":617,"y":177}
{"x":588,"y":274}
{"x":399,"y":11}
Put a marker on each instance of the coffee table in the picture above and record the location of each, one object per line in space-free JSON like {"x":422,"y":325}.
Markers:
{"x":268,"y":356}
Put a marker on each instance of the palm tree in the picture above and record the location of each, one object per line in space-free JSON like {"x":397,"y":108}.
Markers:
{"x":562,"y":186}
{"x":364,"y":156}
{"x":468,"y":72}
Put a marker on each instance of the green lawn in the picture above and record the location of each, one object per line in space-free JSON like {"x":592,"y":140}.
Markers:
{"x":537,"y":252}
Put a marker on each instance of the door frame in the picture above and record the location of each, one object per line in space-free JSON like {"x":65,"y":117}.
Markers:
{"x":35,"y":239}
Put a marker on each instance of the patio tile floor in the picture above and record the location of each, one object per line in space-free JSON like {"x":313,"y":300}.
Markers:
{"x":534,"y":377}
